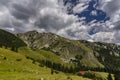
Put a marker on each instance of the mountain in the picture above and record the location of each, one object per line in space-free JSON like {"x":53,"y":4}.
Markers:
{"x":67,"y":49}
{"x":109,"y":54}
{"x":82,"y":52}
{"x":49,"y":56}
{"x":25,"y":63}
{"x":9,"y":40}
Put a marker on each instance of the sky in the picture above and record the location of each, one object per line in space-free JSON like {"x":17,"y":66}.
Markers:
{"x":92,"y":20}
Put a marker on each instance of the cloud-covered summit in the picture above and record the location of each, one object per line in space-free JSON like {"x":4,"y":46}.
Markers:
{"x":75,"y":19}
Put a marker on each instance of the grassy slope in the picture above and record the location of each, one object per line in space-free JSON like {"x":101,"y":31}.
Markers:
{"x":13,"y":69}
{"x":40,"y":55}
{"x":102,"y":75}
{"x":88,"y":59}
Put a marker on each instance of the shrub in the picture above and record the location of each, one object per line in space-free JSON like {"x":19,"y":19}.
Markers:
{"x":18,"y":59}
{"x":4,"y":58}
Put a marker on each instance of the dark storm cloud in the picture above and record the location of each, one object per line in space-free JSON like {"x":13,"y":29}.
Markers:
{"x":21,"y":12}
{"x":4,"y":2}
{"x":53,"y":22}
{"x":25,"y":9}
{"x":117,"y":25}
{"x":46,"y":23}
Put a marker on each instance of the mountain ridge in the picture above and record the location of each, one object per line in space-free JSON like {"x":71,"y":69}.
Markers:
{"x":57,"y":54}
{"x":83,"y":51}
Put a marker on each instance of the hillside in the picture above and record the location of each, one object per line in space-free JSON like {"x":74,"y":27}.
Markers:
{"x":66,"y":49}
{"x":109,"y":54}
{"x":9,"y":40}
{"x":24,"y":64}
{"x":50,"y":55}
{"x":14,"y":66}
{"x":83,"y":53}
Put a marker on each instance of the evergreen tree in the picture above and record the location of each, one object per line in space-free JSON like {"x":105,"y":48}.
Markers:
{"x":109,"y":77}
{"x":117,"y":76}
{"x":52,"y":71}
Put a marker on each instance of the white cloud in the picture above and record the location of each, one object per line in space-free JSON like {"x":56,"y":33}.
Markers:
{"x":112,"y":8}
{"x":11,"y":29}
{"x":94,"y":13}
{"x":103,"y":37}
{"x":51,"y":16}
{"x":24,"y":15}
{"x":79,"y":8}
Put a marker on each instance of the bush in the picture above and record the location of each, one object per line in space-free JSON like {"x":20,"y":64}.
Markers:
{"x":18,"y":59}
{"x":4,"y":58}
{"x":69,"y":78}
{"x":89,"y":75}
{"x":109,"y":77}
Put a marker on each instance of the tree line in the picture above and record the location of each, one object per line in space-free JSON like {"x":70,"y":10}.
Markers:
{"x":9,"y":40}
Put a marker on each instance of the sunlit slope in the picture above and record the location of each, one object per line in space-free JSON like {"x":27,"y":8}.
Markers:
{"x":12,"y":61}
{"x":14,"y":66}
{"x":39,"y":55}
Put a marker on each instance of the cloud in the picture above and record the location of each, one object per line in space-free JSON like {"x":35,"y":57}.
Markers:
{"x":55,"y":22}
{"x":103,"y":37}
{"x":94,"y":13}
{"x":52,"y":16}
{"x":79,"y":8}
{"x":25,"y":15}
{"x":112,"y":8}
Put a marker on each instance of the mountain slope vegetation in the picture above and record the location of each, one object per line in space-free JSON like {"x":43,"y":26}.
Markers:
{"x":9,"y":40}
{"x":89,"y":54}
{"x":24,"y":64}
{"x":33,"y":55}
{"x":14,"y":66}
{"x":66,"y":49}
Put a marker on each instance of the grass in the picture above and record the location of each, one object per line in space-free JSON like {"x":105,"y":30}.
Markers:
{"x":88,"y":58}
{"x":47,"y":76}
{"x":11,"y":61}
{"x":15,"y":66}
{"x":102,"y":75}
{"x":39,"y":55}
{"x":50,"y":56}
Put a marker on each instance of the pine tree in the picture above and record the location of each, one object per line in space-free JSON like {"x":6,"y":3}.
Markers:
{"x":52,"y":71}
{"x":117,"y":76}
{"x":109,"y":77}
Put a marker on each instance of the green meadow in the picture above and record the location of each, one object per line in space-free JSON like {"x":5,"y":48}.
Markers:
{"x":15,"y":66}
